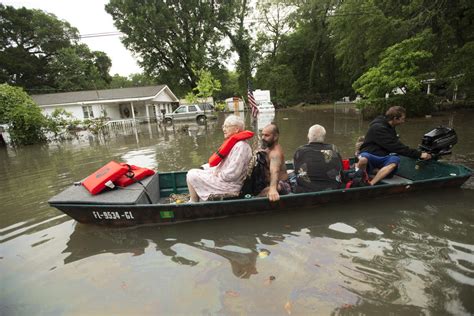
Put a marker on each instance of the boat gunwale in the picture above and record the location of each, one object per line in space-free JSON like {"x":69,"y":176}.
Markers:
{"x":290,"y":196}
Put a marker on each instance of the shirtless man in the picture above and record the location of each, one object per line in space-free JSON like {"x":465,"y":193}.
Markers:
{"x":277,"y":177}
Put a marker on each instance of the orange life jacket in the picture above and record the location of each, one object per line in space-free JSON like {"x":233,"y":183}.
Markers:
{"x":95,"y":183}
{"x":227,"y":146}
{"x":133,"y":175}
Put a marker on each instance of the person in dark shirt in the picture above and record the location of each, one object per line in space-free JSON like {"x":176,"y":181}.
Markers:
{"x":318,"y":166}
{"x":382,"y":146}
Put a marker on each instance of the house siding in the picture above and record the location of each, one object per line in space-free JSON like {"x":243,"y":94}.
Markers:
{"x":117,"y":103}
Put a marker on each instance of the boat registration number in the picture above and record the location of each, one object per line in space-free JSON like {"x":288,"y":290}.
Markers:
{"x":112,"y":215}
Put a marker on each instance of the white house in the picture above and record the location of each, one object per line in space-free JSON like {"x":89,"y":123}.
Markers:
{"x":117,"y":104}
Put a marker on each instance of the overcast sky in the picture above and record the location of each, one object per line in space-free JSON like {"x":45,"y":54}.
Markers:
{"x":89,"y":17}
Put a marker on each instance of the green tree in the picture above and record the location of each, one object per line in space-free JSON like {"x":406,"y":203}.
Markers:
{"x":400,"y":67}
{"x":134,"y":80}
{"x":229,"y":85}
{"x":361,"y":32}
{"x":30,"y":39}
{"x":229,"y":17}
{"x":207,"y":84}
{"x":459,"y":69}
{"x":41,"y":53}
{"x":141,"y":80}
{"x":364,"y":29}
{"x":307,"y":54}
{"x":25,"y":121}
{"x":280,"y":80}
{"x":191,"y":97}
{"x":77,"y":68}
{"x":120,"y":82}
{"x":275,"y":22}
{"x":171,"y":37}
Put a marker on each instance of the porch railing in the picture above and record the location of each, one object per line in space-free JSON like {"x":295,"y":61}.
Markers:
{"x":126,"y":123}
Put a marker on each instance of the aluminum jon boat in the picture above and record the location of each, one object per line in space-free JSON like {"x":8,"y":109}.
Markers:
{"x":150,"y":203}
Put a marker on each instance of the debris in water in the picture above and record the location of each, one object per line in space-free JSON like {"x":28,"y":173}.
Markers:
{"x":231,"y":293}
{"x":347,"y":306}
{"x":343,"y":228}
{"x":288,"y":307}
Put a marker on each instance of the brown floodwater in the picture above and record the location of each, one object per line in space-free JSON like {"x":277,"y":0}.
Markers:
{"x":401,"y":255}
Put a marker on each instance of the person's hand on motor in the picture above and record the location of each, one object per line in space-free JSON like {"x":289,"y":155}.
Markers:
{"x":425,"y":156}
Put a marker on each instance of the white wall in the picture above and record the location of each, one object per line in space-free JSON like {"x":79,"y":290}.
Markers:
{"x":163,"y":97}
{"x":113,"y":111}
{"x":75,"y":110}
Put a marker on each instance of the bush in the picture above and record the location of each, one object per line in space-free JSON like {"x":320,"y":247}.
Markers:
{"x":25,"y":122}
{"x":415,"y":105}
{"x":61,"y":124}
{"x":220,"y":106}
{"x":96,"y":125}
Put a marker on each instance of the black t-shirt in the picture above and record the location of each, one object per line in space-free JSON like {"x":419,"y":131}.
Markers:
{"x":318,"y":167}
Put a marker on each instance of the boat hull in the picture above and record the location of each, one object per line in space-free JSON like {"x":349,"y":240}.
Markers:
{"x":130,"y":215}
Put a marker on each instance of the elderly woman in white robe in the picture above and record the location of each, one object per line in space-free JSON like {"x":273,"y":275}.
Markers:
{"x":228,"y":176}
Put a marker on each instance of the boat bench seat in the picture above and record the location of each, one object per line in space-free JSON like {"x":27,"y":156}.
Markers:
{"x":396,"y":180}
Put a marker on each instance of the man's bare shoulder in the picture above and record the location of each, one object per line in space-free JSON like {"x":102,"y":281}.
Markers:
{"x":276,"y":155}
{"x":276,"y":152}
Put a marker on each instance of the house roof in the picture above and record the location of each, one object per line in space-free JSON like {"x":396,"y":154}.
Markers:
{"x":108,"y":95}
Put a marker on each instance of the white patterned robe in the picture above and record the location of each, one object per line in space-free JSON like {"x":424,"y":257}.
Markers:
{"x":227,"y":177}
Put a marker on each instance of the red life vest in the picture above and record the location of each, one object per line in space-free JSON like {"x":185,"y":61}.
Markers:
{"x":227,"y":146}
{"x":137,"y":174}
{"x":110,"y":172}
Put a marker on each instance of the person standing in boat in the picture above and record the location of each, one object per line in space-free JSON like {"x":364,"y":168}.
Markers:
{"x":382,"y":146}
{"x":227,"y":168}
{"x":318,"y":166}
{"x":276,"y":177}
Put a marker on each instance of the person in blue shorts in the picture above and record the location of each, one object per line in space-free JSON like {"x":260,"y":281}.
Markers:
{"x":381,"y":146}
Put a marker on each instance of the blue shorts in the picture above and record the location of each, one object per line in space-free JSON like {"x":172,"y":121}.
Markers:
{"x":378,"y":162}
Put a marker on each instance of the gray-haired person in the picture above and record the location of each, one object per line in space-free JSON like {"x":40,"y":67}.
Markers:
{"x":318,"y":166}
{"x":228,"y":176}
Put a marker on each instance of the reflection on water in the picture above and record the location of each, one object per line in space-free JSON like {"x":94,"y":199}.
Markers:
{"x":412,"y":254}
{"x":265,"y":118}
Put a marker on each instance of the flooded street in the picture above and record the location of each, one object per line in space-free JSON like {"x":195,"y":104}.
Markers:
{"x":403,"y":255}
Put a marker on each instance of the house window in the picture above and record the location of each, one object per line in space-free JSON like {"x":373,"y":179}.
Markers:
{"x":87,"y":110}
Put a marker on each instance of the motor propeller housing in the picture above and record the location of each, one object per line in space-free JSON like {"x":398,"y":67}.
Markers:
{"x":439,"y":141}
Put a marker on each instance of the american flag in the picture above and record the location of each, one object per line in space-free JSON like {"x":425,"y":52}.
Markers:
{"x":252,"y":103}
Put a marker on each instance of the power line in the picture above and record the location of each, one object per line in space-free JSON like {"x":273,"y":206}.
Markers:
{"x":103,"y":34}
{"x":251,"y":20}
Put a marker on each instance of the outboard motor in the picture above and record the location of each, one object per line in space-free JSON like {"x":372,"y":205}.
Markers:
{"x":439,"y":141}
